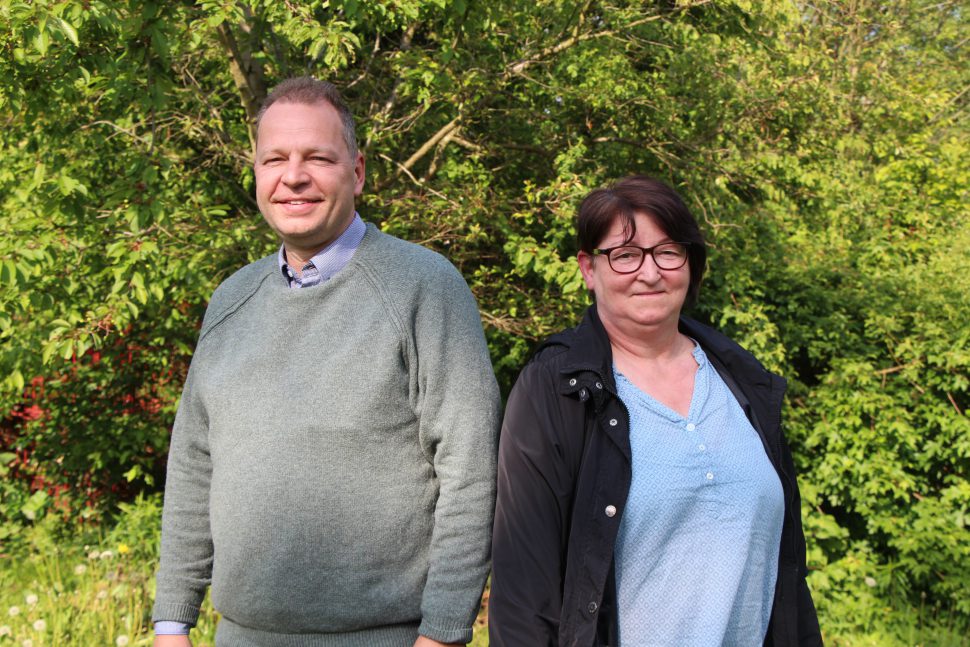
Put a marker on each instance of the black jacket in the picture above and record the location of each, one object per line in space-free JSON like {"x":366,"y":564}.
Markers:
{"x":563,"y":477}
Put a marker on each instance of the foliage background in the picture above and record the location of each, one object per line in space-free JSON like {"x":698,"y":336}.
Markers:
{"x":823,"y":146}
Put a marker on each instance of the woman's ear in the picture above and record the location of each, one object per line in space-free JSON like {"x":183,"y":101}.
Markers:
{"x":586,"y":267}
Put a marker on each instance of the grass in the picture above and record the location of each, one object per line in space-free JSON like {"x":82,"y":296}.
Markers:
{"x":77,"y":595}
{"x":96,"y":588}
{"x":91,"y":594}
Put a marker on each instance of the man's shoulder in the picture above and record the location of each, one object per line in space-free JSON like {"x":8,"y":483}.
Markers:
{"x":237,"y":288}
{"x":394,"y":252}
{"x":405,"y":269}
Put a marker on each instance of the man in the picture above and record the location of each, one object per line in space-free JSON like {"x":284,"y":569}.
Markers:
{"x":333,"y":457}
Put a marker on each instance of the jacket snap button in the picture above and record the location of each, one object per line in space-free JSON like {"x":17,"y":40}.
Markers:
{"x":613,"y":422}
{"x":610,"y":510}
{"x":599,"y":385}
{"x":592,"y":607}
{"x":572,"y":382}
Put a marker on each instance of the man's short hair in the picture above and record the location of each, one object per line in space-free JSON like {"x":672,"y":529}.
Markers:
{"x":309,"y":91}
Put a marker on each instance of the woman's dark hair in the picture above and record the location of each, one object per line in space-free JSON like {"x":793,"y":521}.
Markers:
{"x":641,"y":194}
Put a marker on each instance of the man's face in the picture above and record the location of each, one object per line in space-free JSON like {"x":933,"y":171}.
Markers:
{"x":306,"y":179}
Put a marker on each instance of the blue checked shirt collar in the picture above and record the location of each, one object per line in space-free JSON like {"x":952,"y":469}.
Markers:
{"x":329,"y":260}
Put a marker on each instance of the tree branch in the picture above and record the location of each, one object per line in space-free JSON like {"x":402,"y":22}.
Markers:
{"x":247,"y":72}
{"x":443,"y":132}
{"x":393,"y":96}
{"x":516,"y":68}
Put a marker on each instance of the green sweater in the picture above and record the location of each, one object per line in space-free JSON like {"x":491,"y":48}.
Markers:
{"x":332,"y":467}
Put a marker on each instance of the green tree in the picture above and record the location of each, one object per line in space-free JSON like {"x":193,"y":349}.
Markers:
{"x":822,"y":145}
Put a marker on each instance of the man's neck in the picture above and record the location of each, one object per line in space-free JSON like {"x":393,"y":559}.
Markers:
{"x":296,"y":259}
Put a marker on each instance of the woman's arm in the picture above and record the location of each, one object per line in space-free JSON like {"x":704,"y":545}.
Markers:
{"x":807,"y":629}
{"x":535,"y":489}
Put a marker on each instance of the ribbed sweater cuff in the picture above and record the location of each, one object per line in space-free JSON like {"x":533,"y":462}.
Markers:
{"x":175,"y":612}
{"x":229,"y":633}
{"x":446,"y":633}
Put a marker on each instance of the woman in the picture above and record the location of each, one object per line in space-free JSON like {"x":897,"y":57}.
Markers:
{"x":646,"y":494}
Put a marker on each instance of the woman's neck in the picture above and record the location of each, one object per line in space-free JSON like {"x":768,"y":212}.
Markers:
{"x":653,"y":344}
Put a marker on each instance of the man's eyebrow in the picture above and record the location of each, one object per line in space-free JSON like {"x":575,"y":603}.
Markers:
{"x":326,"y":150}
{"x":267,"y":151}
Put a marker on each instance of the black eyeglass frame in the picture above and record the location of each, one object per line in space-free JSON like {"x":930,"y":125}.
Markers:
{"x":646,"y":250}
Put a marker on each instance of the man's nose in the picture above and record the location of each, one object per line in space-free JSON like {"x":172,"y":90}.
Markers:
{"x":294,"y":174}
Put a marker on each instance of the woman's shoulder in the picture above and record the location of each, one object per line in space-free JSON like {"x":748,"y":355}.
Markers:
{"x":725,"y":350}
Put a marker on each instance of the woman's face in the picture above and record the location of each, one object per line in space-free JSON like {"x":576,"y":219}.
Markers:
{"x":648,"y":298}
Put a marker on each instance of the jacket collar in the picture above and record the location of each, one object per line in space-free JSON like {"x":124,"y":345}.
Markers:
{"x":588,"y":349}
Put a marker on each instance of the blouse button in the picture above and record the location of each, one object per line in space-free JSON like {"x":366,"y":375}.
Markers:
{"x":572,"y":382}
{"x":592,"y":607}
{"x":610,"y":510}
{"x":599,"y":385}
{"x":613,"y":422}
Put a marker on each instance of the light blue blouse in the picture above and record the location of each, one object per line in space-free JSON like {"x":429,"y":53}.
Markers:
{"x":697,"y":550}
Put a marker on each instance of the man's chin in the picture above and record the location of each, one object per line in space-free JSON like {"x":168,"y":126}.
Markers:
{"x":307,"y":243}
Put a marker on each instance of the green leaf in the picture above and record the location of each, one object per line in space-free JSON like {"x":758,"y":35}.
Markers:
{"x":41,"y":40}
{"x":68,"y":30}
{"x":34,"y":504}
{"x":133,"y":473}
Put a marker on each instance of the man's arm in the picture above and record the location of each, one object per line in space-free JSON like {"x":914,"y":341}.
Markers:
{"x":186,"y":552}
{"x":458,"y":403}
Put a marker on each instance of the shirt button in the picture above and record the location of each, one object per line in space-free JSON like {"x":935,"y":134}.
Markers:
{"x":572,"y":382}
{"x":691,"y":426}
{"x":710,"y":476}
{"x":701,"y":447}
{"x":613,"y":422}
{"x":592,"y":607}
{"x":610,"y":510}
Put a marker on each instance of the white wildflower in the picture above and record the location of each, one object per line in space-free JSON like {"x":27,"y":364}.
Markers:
{"x":870,"y":581}
{"x":122,"y":640}
{"x":40,"y":625}
{"x":93,"y":554}
{"x":5,"y":630}
{"x":31,"y":599}
{"x":80,"y":569}
{"x":27,"y":643}
{"x":102,"y":594}
{"x":107,"y":554}
{"x":14,"y":611}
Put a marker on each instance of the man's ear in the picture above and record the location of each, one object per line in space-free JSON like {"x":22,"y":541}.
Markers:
{"x":359,"y":174}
